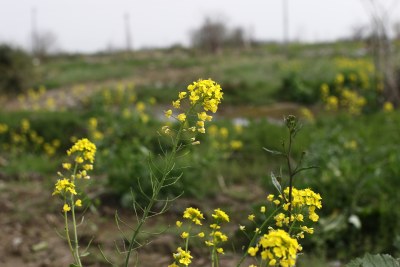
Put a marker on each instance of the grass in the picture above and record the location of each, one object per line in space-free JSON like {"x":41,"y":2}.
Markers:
{"x":250,"y":76}
{"x":346,"y":178}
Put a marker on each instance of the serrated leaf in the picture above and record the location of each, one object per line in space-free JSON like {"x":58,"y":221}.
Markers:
{"x":379,"y":260}
{"x":274,"y":152}
{"x":276,"y":183}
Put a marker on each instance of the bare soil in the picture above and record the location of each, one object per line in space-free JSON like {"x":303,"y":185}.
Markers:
{"x":31,"y":227}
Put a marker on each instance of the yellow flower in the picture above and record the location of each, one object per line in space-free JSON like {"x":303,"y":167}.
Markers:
{"x":215,"y":226}
{"x":140,"y":106}
{"x":185,"y":235}
{"x":262,"y":209}
{"x":278,"y":245}
{"x":181,"y":117}
{"x":66,"y":208}
{"x":182,"y":95}
{"x":220,"y":215}
{"x":178,"y":223}
{"x":209,"y":243}
{"x":168,"y":113}
{"x":87,"y":149}
{"x":332,"y":103}
{"x":201,"y":234}
{"x":220,"y":250}
{"x":388,"y":107}
{"x":252,"y":251}
{"x":202,"y":116}
{"x":194,"y":215}
{"x":270,"y":197}
{"x":182,"y":257}
{"x":79,"y":159}
{"x":78,"y":203}
{"x":251,"y":217}
{"x":64,"y":186}
{"x":219,"y":236}
{"x":67,"y":166}
{"x":200,"y":124}
{"x":176,"y":104}
{"x":236,"y":144}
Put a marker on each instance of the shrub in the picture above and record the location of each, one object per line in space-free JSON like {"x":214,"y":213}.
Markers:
{"x":17,"y":72}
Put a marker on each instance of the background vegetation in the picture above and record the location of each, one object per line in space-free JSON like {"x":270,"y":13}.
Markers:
{"x":117,"y":100}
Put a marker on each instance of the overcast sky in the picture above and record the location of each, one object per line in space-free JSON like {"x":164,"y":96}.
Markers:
{"x":92,"y":25}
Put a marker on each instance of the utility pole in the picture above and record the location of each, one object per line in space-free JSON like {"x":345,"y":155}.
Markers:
{"x":34,"y":30}
{"x":127,"y":32}
{"x":286,"y":27}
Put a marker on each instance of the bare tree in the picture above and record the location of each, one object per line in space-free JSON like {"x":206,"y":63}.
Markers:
{"x":382,"y":48}
{"x":43,"y":44}
{"x":210,"y":36}
{"x":213,"y":35}
{"x":396,"y":30}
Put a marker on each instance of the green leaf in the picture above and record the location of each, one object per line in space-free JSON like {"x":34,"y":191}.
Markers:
{"x":273,"y":151}
{"x":276,"y":183}
{"x":84,"y":254}
{"x":379,"y":260}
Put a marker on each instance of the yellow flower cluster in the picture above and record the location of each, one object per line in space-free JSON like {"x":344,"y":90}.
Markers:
{"x":353,"y":85}
{"x":194,"y":215}
{"x":205,"y":93}
{"x":278,"y":248}
{"x":220,"y":215}
{"x":352,"y":102}
{"x":63,"y":186}
{"x":182,"y":257}
{"x":224,"y":140}
{"x":25,"y":138}
{"x":217,"y":237}
{"x":86,"y":150}
{"x":304,"y":198}
{"x":93,"y":130}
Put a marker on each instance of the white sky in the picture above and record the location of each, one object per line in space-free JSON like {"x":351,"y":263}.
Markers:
{"x":92,"y":25}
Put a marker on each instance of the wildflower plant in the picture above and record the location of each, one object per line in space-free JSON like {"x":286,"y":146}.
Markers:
{"x":212,"y":237}
{"x":82,"y":155}
{"x":192,"y":110}
{"x":275,"y":241}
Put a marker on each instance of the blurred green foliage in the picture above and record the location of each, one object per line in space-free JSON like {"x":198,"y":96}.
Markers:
{"x":17,"y":73}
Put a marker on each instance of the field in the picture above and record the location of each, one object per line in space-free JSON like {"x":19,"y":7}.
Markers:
{"x":348,"y":132}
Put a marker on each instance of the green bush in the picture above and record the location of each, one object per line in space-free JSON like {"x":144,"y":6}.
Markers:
{"x":17,"y":72}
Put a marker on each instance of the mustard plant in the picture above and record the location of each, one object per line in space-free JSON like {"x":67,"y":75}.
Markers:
{"x":214,"y":237}
{"x":191,"y":111}
{"x":82,"y":154}
{"x":292,"y":210}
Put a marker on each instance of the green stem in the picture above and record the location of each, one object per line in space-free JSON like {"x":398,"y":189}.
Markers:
{"x":75,"y":232}
{"x":76,"y":244}
{"x":288,"y":155}
{"x":168,"y":166}
{"x":67,"y":234}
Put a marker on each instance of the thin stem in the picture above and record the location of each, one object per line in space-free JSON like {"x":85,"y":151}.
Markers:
{"x":67,"y":233}
{"x":74,"y":228}
{"x":288,"y":156}
{"x":76,"y":244}
{"x":168,"y":166}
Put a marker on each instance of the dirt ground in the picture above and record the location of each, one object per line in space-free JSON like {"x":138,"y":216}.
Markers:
{"x":31,"y":226}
